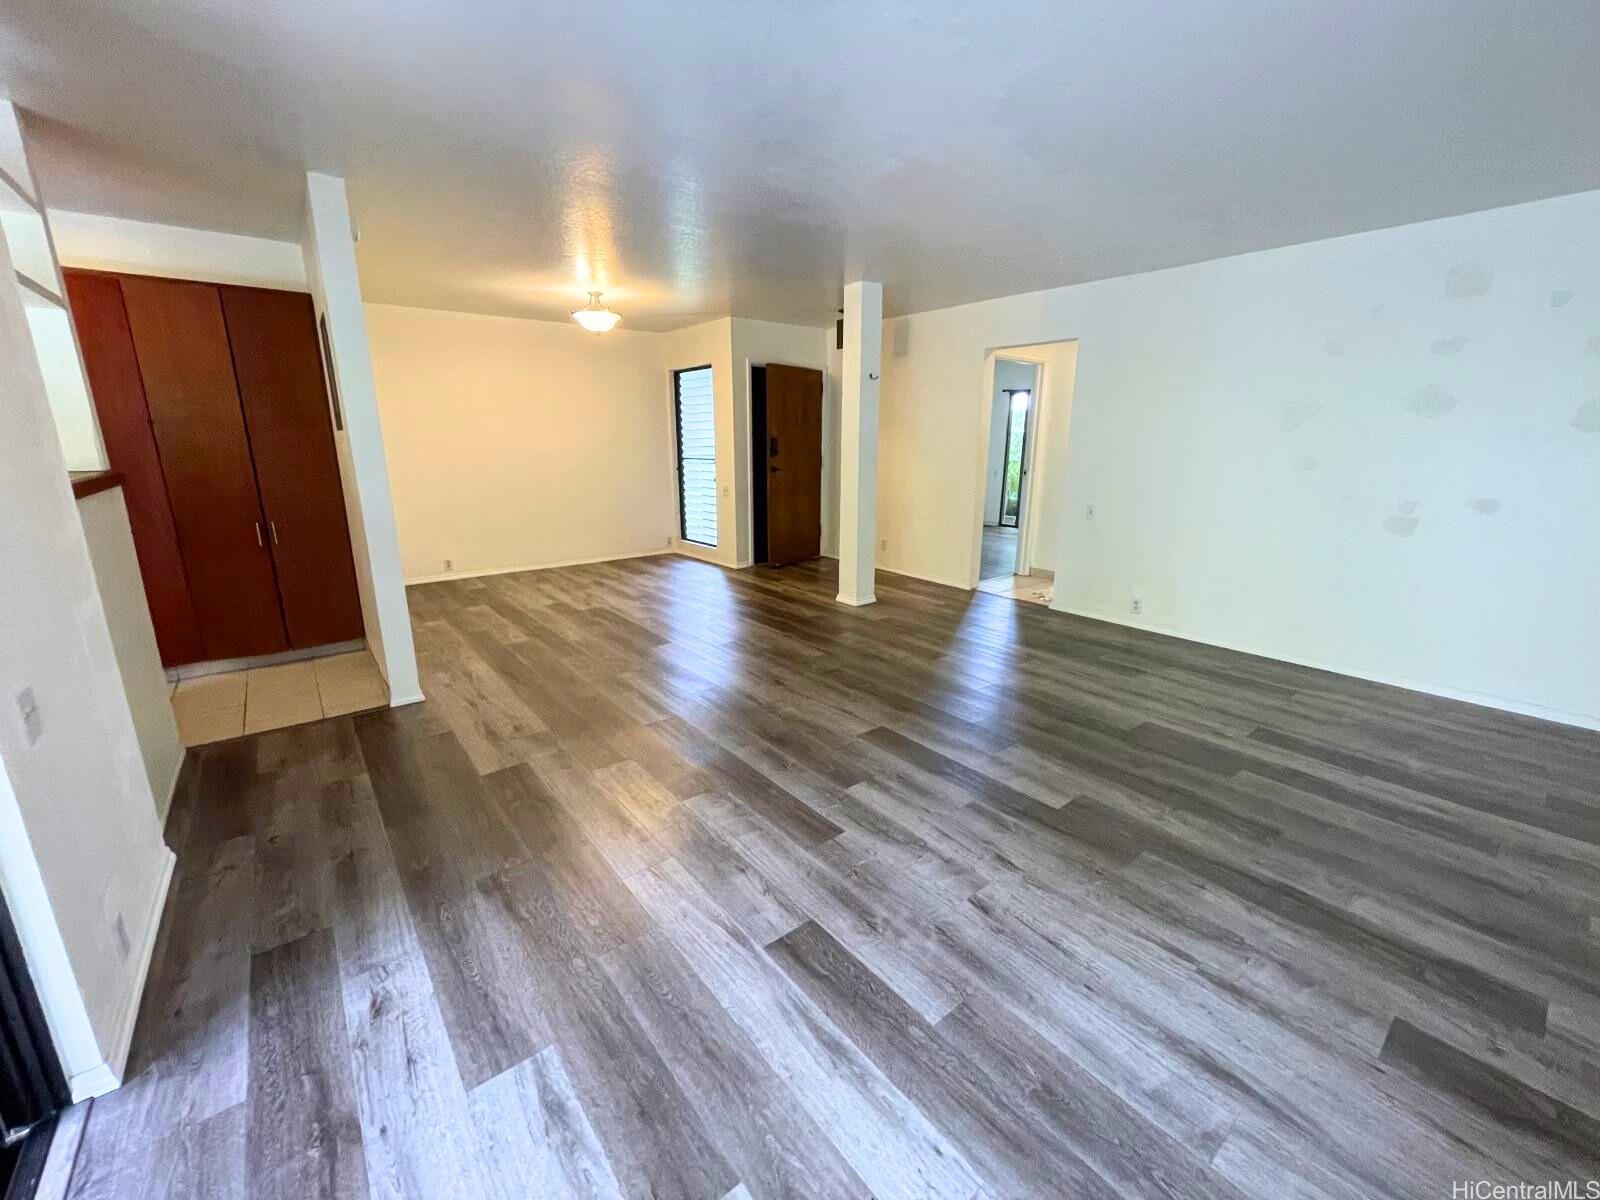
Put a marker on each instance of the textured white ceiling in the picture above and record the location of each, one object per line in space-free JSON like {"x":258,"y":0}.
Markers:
{"x":696,"y":159}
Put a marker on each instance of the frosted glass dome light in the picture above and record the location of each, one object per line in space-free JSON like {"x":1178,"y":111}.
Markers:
{"x":594,"y":316}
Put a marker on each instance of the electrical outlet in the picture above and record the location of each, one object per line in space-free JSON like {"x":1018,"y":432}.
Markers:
{"x":883,"y":544}
{"x":32,"y":718}
{"x":449,"y":564}
{"x":1138,"y":606}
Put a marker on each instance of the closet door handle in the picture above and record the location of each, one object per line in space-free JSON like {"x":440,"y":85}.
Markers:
{"x":259,"y":542}
{"x":273,"y":525}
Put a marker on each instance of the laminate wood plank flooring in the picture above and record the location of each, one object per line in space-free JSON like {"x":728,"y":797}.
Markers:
{"x":999,"y":552}
{"x":692,"y":883}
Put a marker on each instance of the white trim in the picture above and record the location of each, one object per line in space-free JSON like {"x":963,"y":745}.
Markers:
{"x":548,"y":566}
{"x":96,"y":1081}
{"x":44,"y":950}
{"x":402,"y":701}
{"x":1465,"y":696}
{"x":1032,"y":489}
{"x":856,"y":601}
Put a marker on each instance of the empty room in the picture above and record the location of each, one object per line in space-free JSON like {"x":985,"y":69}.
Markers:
{"x":734,"y":602}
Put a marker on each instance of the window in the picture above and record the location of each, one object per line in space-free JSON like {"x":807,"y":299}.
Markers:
{"x":697,"y":456}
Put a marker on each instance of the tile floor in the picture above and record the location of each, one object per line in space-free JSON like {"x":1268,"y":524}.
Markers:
{"x":1031,"y":589}
{"x":213,"y":708}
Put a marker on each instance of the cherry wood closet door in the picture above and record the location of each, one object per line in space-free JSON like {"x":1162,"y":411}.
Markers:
{"x":118,"y":390}
{"x":278,"y":363}
{"x":182,"y":344}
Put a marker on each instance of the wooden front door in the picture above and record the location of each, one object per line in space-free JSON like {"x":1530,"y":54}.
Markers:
{"x":794,"y":464}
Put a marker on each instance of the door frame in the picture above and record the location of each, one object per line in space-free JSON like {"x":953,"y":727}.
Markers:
{"x":1027,"y":522}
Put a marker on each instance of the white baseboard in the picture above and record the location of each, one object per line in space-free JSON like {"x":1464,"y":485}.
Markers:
{"x":1481,"y":699}
{"x":856,"y":601}
{"x":96,"y":1081}
{"x":107,"y":1076}
{"x":544,"y":566}
{"x":402,"y":701}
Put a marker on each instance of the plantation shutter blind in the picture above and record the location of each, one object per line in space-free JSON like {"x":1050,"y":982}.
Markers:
{"x":697,"y":456}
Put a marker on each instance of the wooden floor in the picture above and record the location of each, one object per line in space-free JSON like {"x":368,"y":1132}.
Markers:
{"x":689,"y":883}
{"x":999,"y":556}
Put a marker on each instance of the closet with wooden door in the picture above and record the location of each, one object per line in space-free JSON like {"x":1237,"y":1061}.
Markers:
{"x":214,"y":409}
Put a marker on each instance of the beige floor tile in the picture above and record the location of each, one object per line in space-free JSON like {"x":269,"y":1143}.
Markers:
{"x":350,"y":683}
{"x":344,"y":666}
{"x":1034,"y":589}
{"x":337,"y":702}
{"x":209,"y":693}
{"x":201,"y":728}
{"x":287,"y":679}
{"x":280,"y":710}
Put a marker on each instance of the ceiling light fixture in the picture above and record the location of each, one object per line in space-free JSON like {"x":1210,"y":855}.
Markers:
{"x":594,"y":316}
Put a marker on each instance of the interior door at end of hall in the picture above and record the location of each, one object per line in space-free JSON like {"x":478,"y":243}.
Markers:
{"x":794,"y":464}
{"x":182,"y":345}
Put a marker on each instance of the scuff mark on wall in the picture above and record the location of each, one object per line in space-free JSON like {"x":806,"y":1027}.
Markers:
{"x":1401,"y":525}
{"x":1449,"y":345}
{"x":1296,"y":413}
{"x":1429,"y":401}
{"x":1472,"y":278}
{"x":1487,"y":505}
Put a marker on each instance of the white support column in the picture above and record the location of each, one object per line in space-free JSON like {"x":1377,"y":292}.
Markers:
{"x":330,"y":254}
{"x":858,"y":441}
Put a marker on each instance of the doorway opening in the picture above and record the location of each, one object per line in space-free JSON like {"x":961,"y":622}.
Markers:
{"x":1026,"y":400}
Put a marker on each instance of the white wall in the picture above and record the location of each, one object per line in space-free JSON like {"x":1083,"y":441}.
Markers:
{"x":759,"y":343}
{"x":1377,"y":453}
{"x":80,"y":844}
{"x":1052,"y":425}
{"x":65,"y":387}
{"x":335,"y":284}
{"x":144,"y":248}
{"x":517,"y":443}
{"x":133,"y":637}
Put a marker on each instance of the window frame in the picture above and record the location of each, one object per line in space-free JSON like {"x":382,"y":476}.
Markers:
{"x":677,"y":452}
